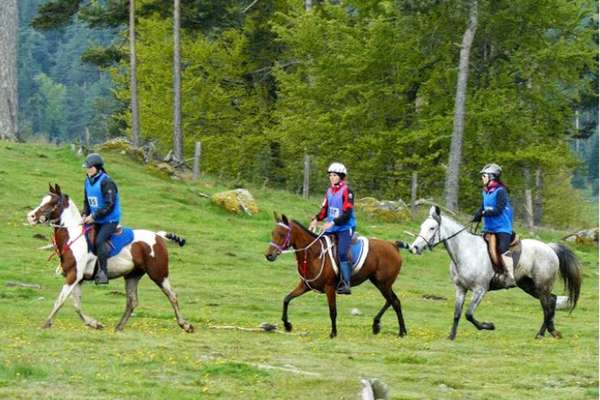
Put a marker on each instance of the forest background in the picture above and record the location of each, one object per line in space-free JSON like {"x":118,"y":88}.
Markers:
{"x":368,"y":83}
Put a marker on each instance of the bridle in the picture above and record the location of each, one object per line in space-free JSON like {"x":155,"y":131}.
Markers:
{"x":60,"y":205}
{"x":431,"y":245}
{"x":302,"y":268}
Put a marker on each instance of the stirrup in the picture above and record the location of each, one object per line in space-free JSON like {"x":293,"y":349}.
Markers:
{"x":344,"y":288}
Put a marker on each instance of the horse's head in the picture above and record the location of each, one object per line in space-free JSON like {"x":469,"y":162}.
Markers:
{"x":429,"y":233}
{"x":281,"y":238}
{"x":50,"y":208}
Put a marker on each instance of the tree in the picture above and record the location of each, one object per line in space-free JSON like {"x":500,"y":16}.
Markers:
{"x":177,"y":134}
{"x":8,"y":69}
{"x":135,"y":113}
{"x":454,"y":159}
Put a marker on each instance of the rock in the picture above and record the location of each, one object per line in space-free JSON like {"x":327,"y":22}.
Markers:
{"x":236,"y":201}
{"x":387,"y":210}
{"x":355,"y":312}
{"x":586,"y":236}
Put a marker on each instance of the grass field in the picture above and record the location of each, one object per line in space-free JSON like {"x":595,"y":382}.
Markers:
{"x":222,"y":278}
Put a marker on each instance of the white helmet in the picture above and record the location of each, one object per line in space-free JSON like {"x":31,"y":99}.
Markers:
{"x":338,"y":168}
{"x":492,"y":169}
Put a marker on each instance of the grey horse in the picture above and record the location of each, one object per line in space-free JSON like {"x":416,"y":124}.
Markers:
{"x":471,"y":269}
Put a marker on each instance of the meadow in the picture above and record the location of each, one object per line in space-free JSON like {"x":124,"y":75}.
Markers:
{"x":222,"y":279}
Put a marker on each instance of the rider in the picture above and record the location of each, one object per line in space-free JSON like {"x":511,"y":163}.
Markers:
{"x":338,"y":210}
{"x":497,"y":214}
{"x":101,"y":207}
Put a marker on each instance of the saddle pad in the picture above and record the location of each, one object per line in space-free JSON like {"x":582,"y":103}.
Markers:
{"x":119,"y":240}
{"x":360,"y":250}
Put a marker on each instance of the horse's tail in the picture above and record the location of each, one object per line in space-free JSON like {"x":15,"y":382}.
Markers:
{"x":401,"y":245}
{"x":173,"y":237}
{"x":570,"y":271}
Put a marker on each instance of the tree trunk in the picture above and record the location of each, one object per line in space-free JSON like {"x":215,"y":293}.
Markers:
{"x":9,"y":21}
{"x":453,"y":172}
{"x":135,"y":112}
{"x":538,"y":202}
{"x":177,"y":134}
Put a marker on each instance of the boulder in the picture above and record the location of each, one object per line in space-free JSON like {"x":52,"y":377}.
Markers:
{"x":386,"y":210}
{"x":236,"y":201}
{"x":587,"y":236}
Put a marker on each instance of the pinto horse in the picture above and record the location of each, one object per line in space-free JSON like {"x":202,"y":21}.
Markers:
{"x":381,"y":267}
{"x":147,"y":254}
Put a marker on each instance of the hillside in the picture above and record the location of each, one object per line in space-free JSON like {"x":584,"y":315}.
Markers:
{"x":222,"y":279}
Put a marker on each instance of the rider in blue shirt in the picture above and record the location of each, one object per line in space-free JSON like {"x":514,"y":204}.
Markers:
{"x":101,"y":207}
{"x":338,"y":211}
{"x":497,"y":213}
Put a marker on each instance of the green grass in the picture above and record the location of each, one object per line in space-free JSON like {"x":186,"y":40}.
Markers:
{"x":222,"y":278}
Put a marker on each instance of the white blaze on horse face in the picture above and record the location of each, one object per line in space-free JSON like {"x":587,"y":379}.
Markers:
{"x":31,"y":219}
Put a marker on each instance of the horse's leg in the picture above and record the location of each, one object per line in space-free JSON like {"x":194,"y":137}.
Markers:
{"x":60,"y":300}
{"x":330,"y":290}
{"x":529,"y":287}
{"x":550,"y":324}
{"x":131,"y":285}
{"x":77,"y":303}
{"x":477,"y":297}
{"x":548,"y":302}
{"x":377,"y":319}
{"x":391,"y":299}
{"x":459,"y":300}
{"x":165,"y":286}
{"x":299,"y":290}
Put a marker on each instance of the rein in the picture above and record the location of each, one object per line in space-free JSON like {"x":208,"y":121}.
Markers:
{"x":303,"y":268}
{"x":59,"y":252}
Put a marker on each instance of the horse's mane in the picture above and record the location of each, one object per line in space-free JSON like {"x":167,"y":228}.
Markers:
{"x":305,"y":229}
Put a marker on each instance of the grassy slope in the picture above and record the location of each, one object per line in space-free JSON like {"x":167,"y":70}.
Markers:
{"x":222,"y":278}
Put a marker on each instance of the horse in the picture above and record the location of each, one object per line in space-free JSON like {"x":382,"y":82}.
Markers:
{"x":146,"y":254}
{"x":471,"y":269}
{"x":381,"y":267}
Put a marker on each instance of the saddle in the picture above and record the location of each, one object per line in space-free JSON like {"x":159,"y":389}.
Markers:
{"x":119,"y":239}
{"x":356,"y":255}
{"x":513,"y":252}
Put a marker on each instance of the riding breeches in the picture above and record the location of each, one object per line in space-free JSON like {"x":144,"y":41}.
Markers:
{"x":104,"y":233}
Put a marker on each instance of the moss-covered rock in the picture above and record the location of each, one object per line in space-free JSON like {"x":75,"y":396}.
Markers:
{"x":236,"y":201}
{"x":385,"y":210}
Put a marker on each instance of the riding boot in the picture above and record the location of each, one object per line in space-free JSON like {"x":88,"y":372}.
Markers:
{"x":344,"y":287}
{"x":509,"y":277}
{"x":102,"y":273}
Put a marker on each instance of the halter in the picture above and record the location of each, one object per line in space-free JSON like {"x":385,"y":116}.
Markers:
{"x":287,"y":241}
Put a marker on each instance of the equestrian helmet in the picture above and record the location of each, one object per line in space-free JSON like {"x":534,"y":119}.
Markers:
{"x":93,"y":160}
{"x":492,"y":169}
{"x":338,"y":168}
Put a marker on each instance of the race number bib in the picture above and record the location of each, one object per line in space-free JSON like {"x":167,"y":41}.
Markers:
{"x":93,"y":201}
{"x":334,"y":212}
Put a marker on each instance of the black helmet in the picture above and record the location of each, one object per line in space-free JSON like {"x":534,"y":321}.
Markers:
{"x":93,"y":160}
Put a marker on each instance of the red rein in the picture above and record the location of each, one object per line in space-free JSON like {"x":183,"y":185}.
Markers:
{"x":57,"y":252}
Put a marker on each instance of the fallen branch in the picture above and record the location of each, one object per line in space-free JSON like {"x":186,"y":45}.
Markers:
{"x":421,"y":202}
{"x":23,"y":284}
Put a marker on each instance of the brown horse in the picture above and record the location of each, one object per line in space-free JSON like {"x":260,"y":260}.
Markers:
{"x":147,"y":254}
{"x":381,"y":267}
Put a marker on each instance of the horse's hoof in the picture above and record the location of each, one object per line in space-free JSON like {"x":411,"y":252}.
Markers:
{"x":97,"y":325}
{"x":288,"y":326}
{"x":556,"y":334}
{"x":332,"y":335}
{"x":47,"y":325}
{"x":539,"y":336}
{"x":403,"y":333}
{"x":376,"y":329}
{"x":488,"y":326}
{"x":189,"y":328}
{"x":451,"y":337}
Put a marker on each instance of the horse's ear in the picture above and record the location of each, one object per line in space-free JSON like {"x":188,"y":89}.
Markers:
{"x":50,"y":188}
{"x":437,"y":210}
{"x":434,"y":212}
{"x":57,"y":189}
{"x":276,"y":216}
{"x":285,"y":220}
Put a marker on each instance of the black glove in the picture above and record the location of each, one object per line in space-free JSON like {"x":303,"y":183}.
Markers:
{"x":477,"y":216}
